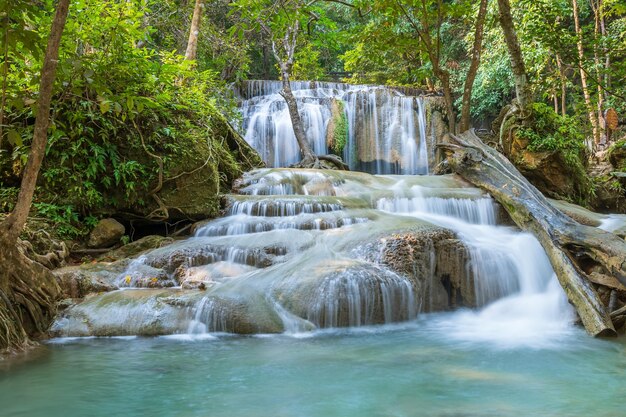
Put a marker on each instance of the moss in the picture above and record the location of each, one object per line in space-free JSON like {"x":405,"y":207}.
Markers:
{"x":337,"y":132}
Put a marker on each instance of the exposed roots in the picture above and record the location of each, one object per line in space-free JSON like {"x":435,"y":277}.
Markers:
{"x":28,"y":296}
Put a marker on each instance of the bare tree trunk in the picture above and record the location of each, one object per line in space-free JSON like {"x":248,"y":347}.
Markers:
{"x":284,"y":55}
{"x":28,"y":290}
{"x":579,"y":254}
{"x":522,"y":89}
{"x":194,"y":31}
{"x":583,"y":75}
{"x":473,"y":69}
{"x":448,"y":95}
{"x":559,"y":64}
{"x":308,"y":157}
{"x":597,"y":11}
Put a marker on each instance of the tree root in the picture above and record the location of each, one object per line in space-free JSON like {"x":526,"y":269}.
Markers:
{"x":28,"y":295}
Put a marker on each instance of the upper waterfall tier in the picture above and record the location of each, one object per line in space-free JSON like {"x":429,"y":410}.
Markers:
{"x":375,"y":129}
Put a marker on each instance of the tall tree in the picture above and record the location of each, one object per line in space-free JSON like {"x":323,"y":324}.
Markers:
{"x":583,"y":75}
{"x":194,"y":31}
{"x":522,"y":89}
{"x":473,"y":69}
{"x":281,"y":21}
{"x":17,"y":271}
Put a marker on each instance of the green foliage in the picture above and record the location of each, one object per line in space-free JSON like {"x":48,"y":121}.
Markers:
{"x":307,"y":64}
{"x":340,"y":134}
{"x":549,"y":131}
{"x":125,"y":115}
{"x":8,"y":197}
{"x":64,"y":218}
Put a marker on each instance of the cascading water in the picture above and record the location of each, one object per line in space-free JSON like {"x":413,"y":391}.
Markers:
{"x":513,"y":277}
{"x":386,"y":130}
{"x":305,"y":249}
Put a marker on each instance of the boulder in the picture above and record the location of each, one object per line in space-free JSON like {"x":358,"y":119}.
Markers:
{"x":107,"y":233}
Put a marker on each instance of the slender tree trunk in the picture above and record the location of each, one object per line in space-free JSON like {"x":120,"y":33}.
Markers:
{"x":473,"y":69}
{"x":522,"y":89}
{"x":28,"y":291}
{"x":448,"y":95}
{"x":583,"y":75}
{"x":194,"y":31}
{"x":14,"y":223}
{"x":308,"y":156}
{"x":597,"y":10}
{"x":559,"y":64}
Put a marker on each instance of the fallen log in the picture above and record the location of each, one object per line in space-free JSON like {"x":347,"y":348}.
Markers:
{"x":574,"y":250}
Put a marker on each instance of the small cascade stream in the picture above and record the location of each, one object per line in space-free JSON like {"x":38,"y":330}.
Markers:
{"x":385,"y":131}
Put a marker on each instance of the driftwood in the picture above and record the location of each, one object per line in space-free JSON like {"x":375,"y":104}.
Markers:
{"x":575,"y":251}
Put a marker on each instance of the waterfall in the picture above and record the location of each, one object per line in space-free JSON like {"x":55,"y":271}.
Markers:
{"x":522,"y":300}
{"x":386,"y":130}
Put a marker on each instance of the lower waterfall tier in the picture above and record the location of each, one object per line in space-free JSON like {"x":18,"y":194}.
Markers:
{"x":304,"y":249}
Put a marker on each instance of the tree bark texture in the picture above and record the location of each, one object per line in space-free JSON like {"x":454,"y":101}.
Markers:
{"x":576,"y":251}
{"x":194,"y":30}
{"x":473,"y":69}
{"x":522,"y":90}
{"x":298,"y":128}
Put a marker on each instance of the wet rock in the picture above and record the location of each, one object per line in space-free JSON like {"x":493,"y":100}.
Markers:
{"x":81,"y":280}
{"x":154,"y":312}
{"x":436,"y":261}
{"x":350,"y":293}
{"x":136,"y":248}
{"x":107,"y":232}
{"x":125,"y":313}
{"x":140,"y":275}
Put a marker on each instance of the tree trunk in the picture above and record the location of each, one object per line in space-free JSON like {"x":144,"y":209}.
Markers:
{"x":522,"y":90}
{"x":308,"y":157}
{"x":473,"y":69}
{"x":597,"y":11}
{"x":28,"y":290}
{"x":194,"y":31}
{"x":583,"y":75}
{"x":563,"y":79}
{"x":448,"y":95}
{"x":14,"y":223}
{"x":574,"y":250}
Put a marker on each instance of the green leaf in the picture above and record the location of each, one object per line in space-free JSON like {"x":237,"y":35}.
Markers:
{"x":105,"y":106}
{"x":14,"y":138}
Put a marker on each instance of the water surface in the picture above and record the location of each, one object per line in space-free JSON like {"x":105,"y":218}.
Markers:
{"x":411,"y":369}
